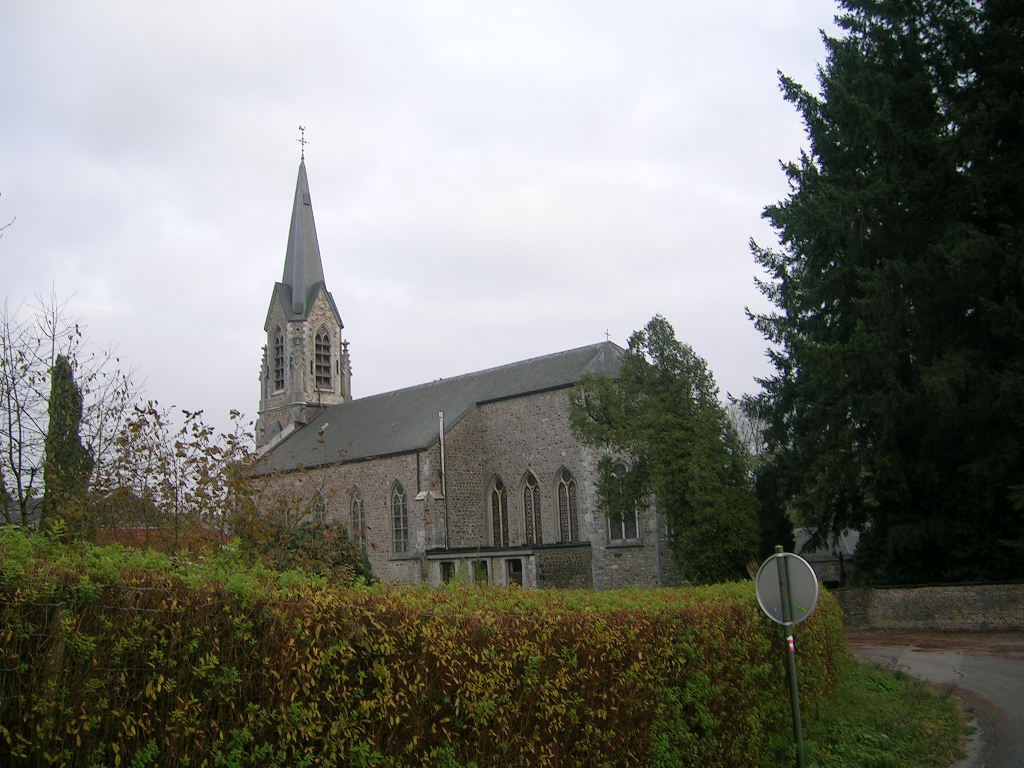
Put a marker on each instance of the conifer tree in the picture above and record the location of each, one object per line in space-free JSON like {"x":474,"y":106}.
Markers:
{"x":897,"y":402}
{"x":67,"y":463}
{"x":662,"y":415}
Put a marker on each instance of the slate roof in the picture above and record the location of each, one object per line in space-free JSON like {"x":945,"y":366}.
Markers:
{"x":406,"y":420}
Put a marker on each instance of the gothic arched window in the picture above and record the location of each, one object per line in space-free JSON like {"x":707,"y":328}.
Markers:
{"x":278,"y":359}
{"x":399,"y":520}
{"x":318,"y":509}
{"x":357,"y":516}
{"x":532,"y":521}
{"x":568,"y":517}
{"x":499,"y":513}
{"x":623,"y":524}
{"x":322,"y":357}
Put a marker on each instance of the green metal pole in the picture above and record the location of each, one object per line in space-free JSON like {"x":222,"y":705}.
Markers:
{"x":787,"y":623}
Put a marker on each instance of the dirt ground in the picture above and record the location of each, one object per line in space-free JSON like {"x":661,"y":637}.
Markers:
{"x":1005,"y":644}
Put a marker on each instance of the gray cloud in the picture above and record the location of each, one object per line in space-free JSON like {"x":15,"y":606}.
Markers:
{"x":490,"y":182}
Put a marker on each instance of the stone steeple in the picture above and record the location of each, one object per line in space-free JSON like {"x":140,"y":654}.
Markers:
{"x":305,"y":360}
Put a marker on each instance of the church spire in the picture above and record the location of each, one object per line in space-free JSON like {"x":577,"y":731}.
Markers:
{"x":303,"y":269}
{"x":306,"y":364}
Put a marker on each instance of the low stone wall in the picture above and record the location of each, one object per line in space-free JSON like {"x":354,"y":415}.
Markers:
{"x":970,"y":608}
{"x":565,"y":566}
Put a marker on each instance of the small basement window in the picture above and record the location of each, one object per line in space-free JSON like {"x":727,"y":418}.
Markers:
{"x":514,"y":571}
{"x":447,"y":571}
{"x":480,"y":572}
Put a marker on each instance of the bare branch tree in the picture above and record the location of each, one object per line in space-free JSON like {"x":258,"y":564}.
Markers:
{"x":31,"y":338}
{"x":178,"y":470}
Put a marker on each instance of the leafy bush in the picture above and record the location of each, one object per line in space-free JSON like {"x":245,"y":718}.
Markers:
{"x":172,"y":662}
{"x":325,"y":549}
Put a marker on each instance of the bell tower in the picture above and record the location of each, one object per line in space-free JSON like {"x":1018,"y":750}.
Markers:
{"x":305,"y":360}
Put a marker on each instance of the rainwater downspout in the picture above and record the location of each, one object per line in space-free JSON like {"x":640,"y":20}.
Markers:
{"x":444,"y":489}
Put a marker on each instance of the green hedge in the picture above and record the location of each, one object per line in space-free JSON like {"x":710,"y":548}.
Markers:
{"x":109,"y":658}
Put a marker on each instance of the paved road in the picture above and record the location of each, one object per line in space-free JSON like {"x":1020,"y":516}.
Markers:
{"x":986,"y":672}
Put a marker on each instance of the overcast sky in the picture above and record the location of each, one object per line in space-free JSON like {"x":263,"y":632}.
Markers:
{"x":491,"y":181}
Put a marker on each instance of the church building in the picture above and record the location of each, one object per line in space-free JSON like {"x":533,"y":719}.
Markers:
{"x":476,"y":477}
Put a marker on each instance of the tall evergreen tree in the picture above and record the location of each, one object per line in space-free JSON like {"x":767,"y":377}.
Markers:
{"x":67,"y":462}
{"x":897,"y":402}
{"x":663,"y":416}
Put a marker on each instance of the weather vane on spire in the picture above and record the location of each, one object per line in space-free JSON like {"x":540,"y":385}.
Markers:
{"x":302,"y":141}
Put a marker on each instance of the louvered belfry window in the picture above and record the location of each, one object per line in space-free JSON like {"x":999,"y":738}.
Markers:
{"x":323,"y":360}
{"x":278,"y":360}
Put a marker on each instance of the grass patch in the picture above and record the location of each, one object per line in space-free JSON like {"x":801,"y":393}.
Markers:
{"x":883,"y":719}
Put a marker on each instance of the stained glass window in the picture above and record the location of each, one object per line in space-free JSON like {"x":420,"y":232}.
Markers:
{"x":532,"y":521}
{"x":568,"y":517}
{"x":499,"y":513}
{"x":399,"y":520}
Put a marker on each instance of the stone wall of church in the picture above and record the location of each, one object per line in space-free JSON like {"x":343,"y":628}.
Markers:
{"x":531,"y":434}
{"x":374,"y":480}
{"x":671,"y":573}
{"x":504,"y":439}
{"x":565,"y":567}
{"x":625,"y":565}
{"x":507,"y":439}
{"x":464,"y":466}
